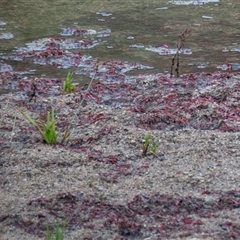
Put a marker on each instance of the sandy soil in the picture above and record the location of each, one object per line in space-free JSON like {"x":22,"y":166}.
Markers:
{"x":102,"y":162}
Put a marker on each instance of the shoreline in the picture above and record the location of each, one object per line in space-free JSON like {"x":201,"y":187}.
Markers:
{"x":101,"y":167}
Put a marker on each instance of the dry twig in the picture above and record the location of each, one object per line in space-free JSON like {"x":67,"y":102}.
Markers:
{"x":181,"y":42}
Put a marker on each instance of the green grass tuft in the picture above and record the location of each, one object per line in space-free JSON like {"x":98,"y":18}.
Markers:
{"x":46,"y":129}
{"x":68,"y":86}
{"x":149,"y":146}
{"x":59,"y":232}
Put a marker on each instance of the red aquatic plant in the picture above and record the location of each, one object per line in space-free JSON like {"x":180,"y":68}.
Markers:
{"x":160,"y":215}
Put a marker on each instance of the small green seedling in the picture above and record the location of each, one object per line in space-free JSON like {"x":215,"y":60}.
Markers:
{"x":68,"y":86}
{"x":149,"y":146}
{"x":59,"y":233}
{"x":153,"y":147}
{"x":46,"y":129}
{"x":91,"y":183}
{"x":146,"y":145}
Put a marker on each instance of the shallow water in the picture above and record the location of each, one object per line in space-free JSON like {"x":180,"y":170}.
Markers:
{"x":145,"y":32}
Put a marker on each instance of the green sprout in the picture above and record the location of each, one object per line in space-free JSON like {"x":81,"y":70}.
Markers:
{"x":59,"y":233}
{"x":90,"y":183}
{"x":68,"y":86}
{"x":149,"y":146}
{"x":153,"y":147}
{"x":46,"y":129}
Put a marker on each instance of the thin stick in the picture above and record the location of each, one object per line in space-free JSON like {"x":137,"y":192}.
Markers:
{"x":181,"y":42}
